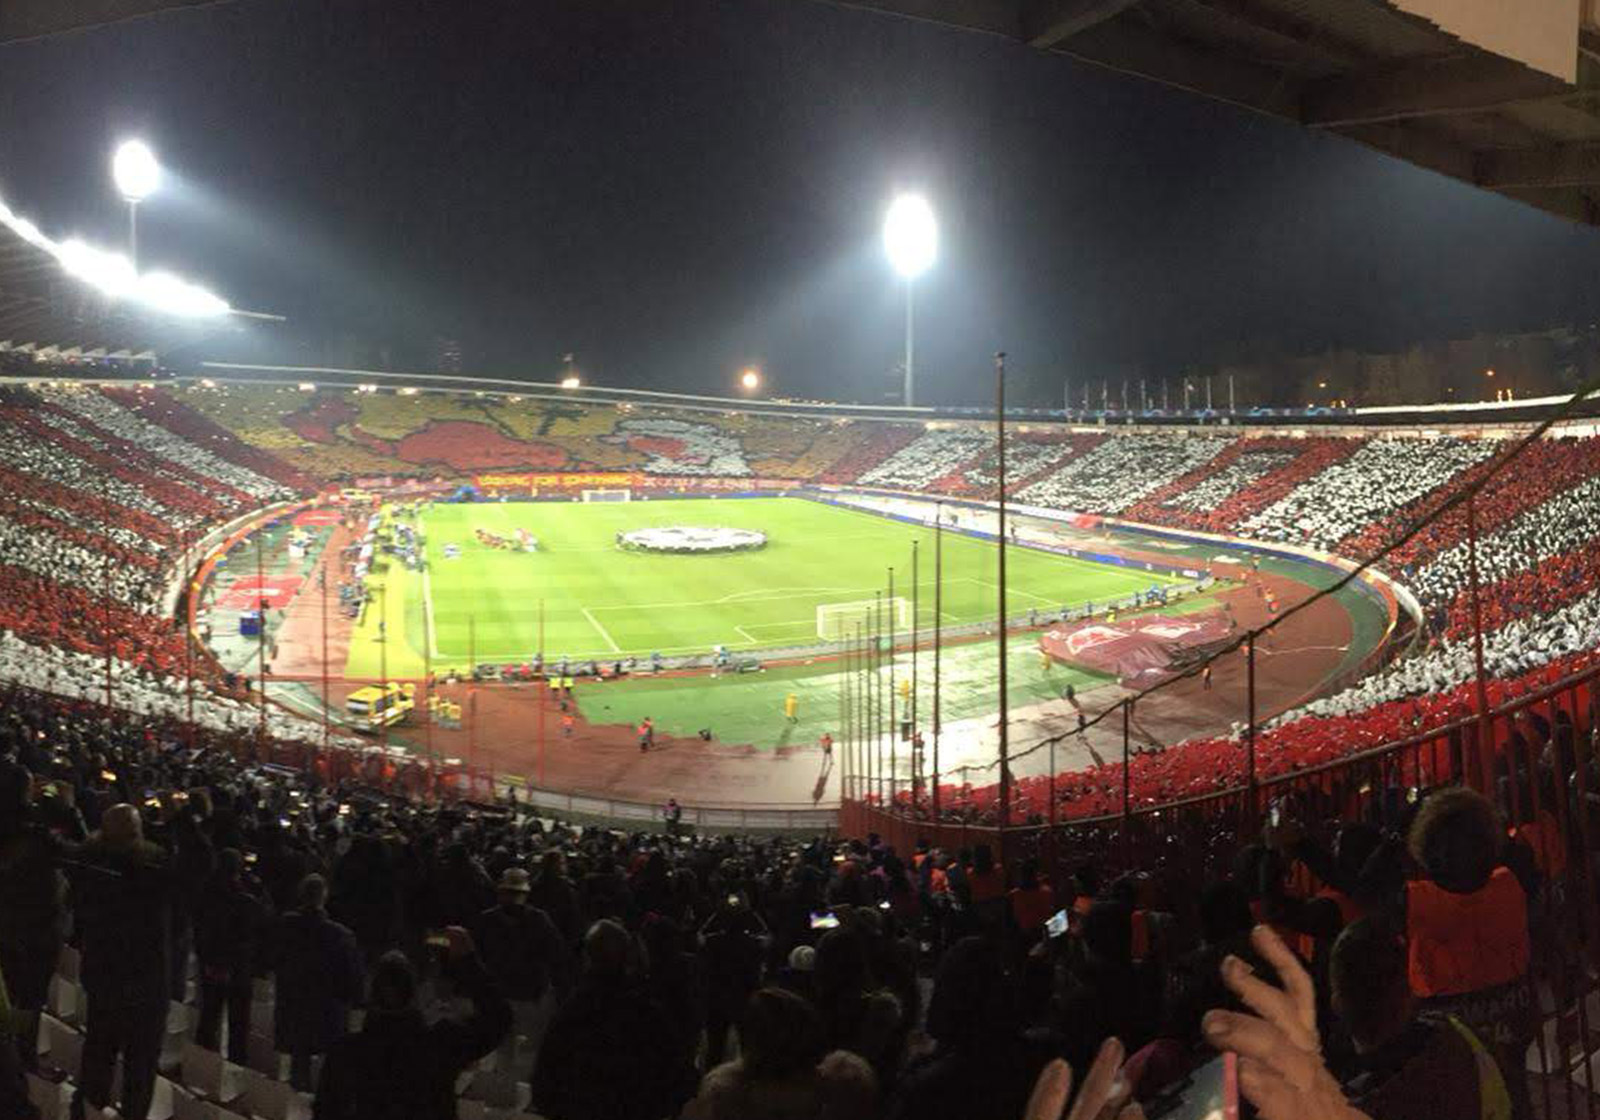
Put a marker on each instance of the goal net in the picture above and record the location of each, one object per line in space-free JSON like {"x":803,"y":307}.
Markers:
{"x":838,"y":622}
{"x":607,"y":495}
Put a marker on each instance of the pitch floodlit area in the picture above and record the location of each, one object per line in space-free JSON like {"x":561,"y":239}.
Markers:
{"x":604,"y":602}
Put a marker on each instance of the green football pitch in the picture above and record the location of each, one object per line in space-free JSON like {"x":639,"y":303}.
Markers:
{"x":602,"y":602}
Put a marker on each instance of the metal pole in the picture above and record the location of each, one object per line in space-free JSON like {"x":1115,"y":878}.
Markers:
{"x":1000,"y":444}
{"x":910,"y":351}
{"x":261,"y":640}
{"x":105,"y":572}
{"x":1066,"y":394}
{"x":133,"y":233}
{"x":857,"y":712}
{"x":874,"y":679}
{"x":188,"y":641}
{"x":877,"y":678}
{"x":1208,"y":392}
{"x":472,"y":695}
{"x":938,"y":636}
{"x":1481,"y":690}
{"x":1250,"y":723}
{"x":894,"y":699}
{"x":1127,"y":792}
{"x":1232,"y":404}
{"x":916,"y":600}
{"x":326,"y":715}
{"x":383,"y":655}
{"x":1163,"y":394}
{"x":543,"y":687}
{"x":427,"y":685}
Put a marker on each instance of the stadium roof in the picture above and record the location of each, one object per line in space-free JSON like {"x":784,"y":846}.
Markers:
{"x":1368,"y":70}
{"x":35,"y":19}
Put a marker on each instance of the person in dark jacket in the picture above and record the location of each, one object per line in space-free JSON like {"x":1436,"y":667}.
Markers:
{"x":524,"y":953}
{"x":605,"y":1057}
{"x":228,"y":923}
{"x":400,"y":1067}
{"x":985,"y":1062}
{"x":122,"y":889}
{"x":31,"y":917}
{"x":317,"y":977}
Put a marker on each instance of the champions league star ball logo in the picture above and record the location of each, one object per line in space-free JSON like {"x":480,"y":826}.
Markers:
{"x":1086,"y":638}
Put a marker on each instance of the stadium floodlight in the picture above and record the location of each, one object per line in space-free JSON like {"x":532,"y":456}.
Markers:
{"x":137,"y":174}
{"x":572,"y":383}
{"x":135,"y":170}
{"x":750,"y":379}
{"x":911,"y":240}
{"x":910,"y":235}
{"x":116,"y":275}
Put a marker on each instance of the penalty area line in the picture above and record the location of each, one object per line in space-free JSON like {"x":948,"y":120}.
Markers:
{"x":601,"y":630}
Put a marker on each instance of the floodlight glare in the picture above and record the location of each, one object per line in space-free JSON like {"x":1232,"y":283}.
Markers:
{"x":750,"y":379}
{"x":910,"y":235}
{"x":571,"y":383}
{"x":135,"y":170}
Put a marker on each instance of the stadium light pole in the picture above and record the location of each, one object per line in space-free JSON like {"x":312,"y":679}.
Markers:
{"x":911,"y":241}
{"x":137,"y":175}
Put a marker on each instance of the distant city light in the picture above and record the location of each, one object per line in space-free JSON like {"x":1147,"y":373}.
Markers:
{"x":135,"y":170}
{"x":750,"y":379}
{"x":910,"y":235}
{"x":571,"y":383}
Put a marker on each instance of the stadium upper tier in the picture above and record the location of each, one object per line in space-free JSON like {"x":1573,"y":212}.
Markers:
{"x":104,"y":487}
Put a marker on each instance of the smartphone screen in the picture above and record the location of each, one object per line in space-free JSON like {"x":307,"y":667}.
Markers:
{"x":824,"y":919}
{"x":1212,"y":1092}
{"x":1057,"y":924}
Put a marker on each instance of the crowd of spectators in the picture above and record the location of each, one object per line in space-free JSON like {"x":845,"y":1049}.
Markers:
{"x":928,"y":458}
{"x":405,"y":952}
{"x":1121,"y":470}
{"x":1382,"y":476}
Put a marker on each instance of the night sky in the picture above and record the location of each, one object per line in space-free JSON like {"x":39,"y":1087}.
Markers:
{"x":677,"y":189}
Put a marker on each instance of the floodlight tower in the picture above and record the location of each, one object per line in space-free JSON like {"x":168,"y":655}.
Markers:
{"x":911,"y":240}
{"x":137,"y":174}
{"x":750,"y":379}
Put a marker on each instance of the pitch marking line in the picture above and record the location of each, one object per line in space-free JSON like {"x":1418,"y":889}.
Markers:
{"x":595,"y":622}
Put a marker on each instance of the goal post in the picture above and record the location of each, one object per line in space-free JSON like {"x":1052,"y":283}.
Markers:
{"x":608,"y":495}
{"x":837,"y":622}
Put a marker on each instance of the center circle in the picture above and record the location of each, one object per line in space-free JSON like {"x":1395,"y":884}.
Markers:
{"x":691,"y":538}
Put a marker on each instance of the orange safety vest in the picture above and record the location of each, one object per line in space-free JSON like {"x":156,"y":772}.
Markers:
{"x":1466,"y":942}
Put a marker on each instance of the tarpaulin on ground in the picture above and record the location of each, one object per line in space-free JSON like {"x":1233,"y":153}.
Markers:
{"x":1138,"y":651}
{"x":246,"y":594}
